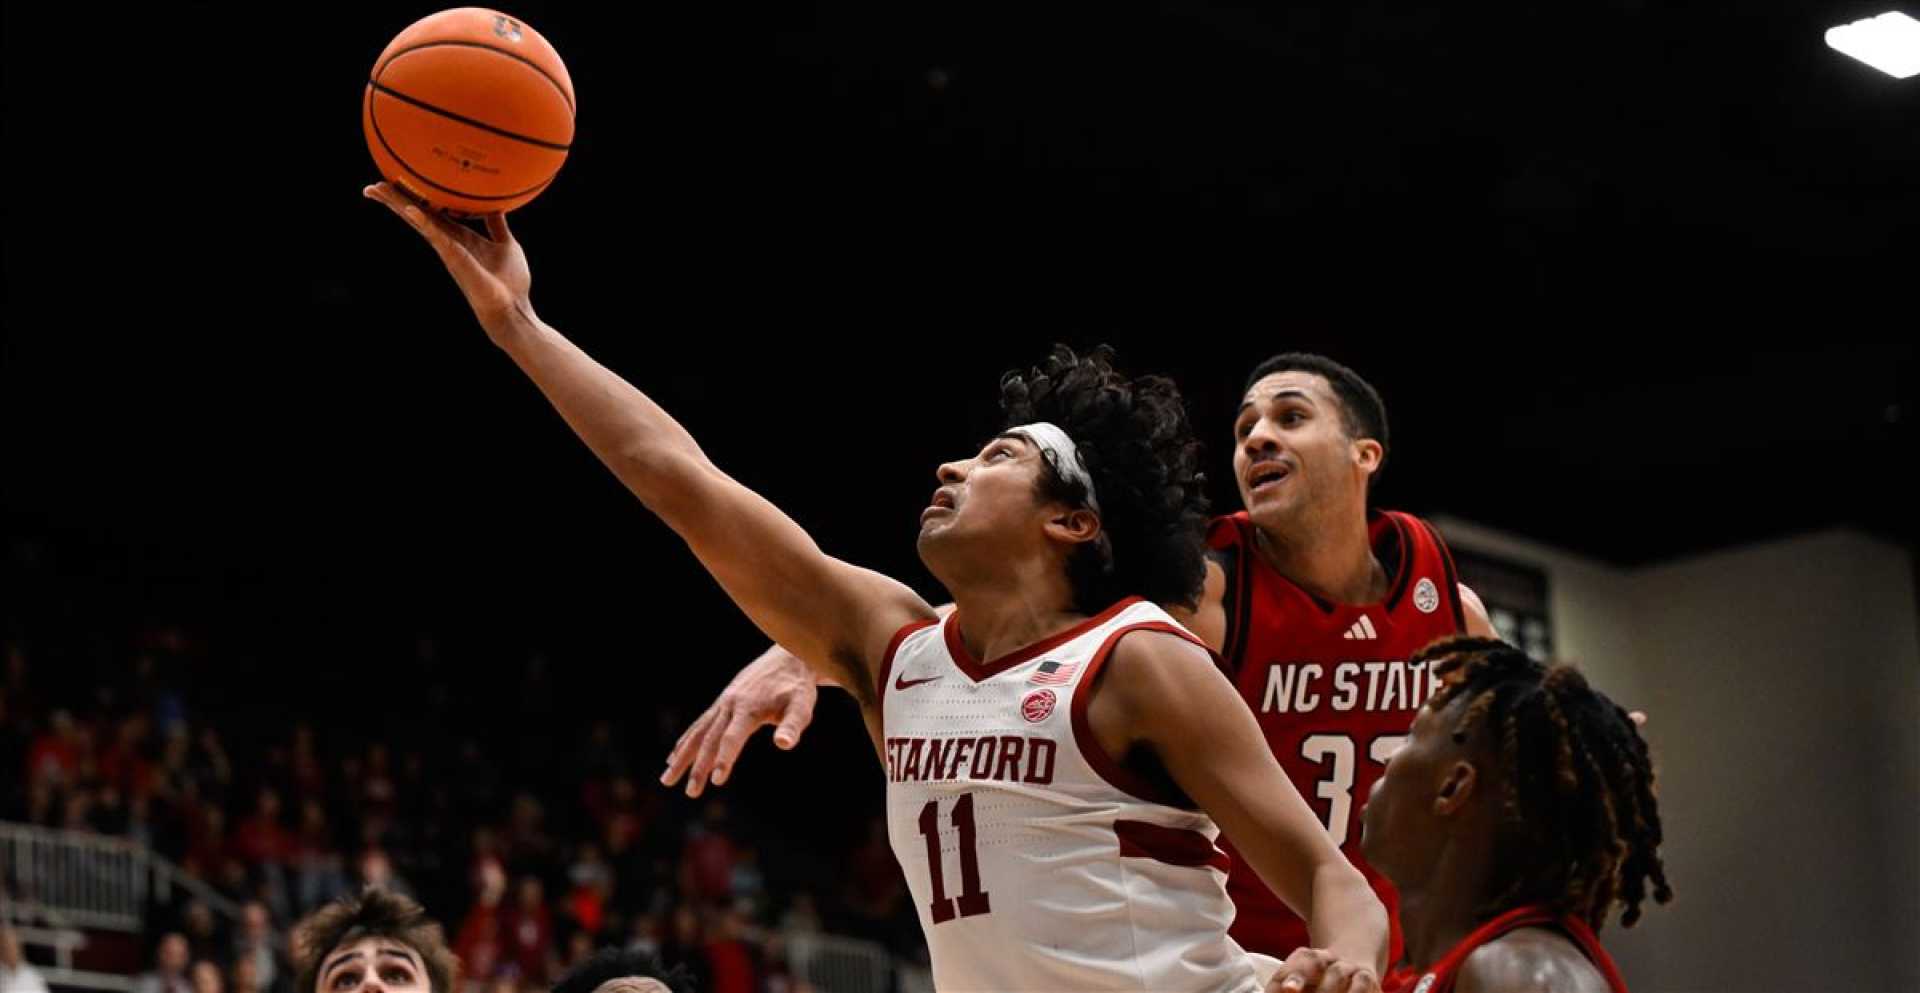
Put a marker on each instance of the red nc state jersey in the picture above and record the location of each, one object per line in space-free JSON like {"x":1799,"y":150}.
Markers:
{"x":1332,"y":689}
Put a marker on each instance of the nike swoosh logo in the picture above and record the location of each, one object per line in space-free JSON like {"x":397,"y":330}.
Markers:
{"x":903,"y":683}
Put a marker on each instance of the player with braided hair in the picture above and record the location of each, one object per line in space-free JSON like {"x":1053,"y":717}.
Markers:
{"x":1518,"y":818}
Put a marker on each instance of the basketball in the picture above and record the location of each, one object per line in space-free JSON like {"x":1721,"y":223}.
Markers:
{"x":470,"y":110}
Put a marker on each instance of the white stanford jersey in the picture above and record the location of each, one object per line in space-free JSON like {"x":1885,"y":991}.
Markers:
{"x":1034,"y":859}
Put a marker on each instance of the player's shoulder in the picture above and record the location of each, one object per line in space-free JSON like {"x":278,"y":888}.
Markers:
{"x":1153,"y":650}
{"x":1413,"y":527}
{"x":1228,"y":531}
{"x":1152,"y":669}
{"x":1155,"y":634}
{"x":1530,"y":960}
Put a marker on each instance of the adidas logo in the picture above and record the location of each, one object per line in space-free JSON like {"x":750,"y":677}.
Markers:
{"x":1362,"y":630}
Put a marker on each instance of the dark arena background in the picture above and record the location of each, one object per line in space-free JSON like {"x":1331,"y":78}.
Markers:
{"x":305,"y":586}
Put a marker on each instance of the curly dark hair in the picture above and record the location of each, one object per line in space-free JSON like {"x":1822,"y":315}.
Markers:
{"x":375,"y":913}
{"x":1140,"y":451}
{"x":1581,"y":825}
{"x":609,"y":964}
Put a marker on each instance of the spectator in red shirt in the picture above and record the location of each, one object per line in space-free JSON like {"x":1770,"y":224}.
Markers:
{"x":707,"y":861}
{"x":124,"y":764}
{"x":207,"y":839}
{"x":261,"y":838}
{"x":730,"y":963}
{"x":478,"y":943}
{"x":627,"y":808}
{"x":592,"y":880}
{"x":55,"y":756}
{"x":526,"y":932}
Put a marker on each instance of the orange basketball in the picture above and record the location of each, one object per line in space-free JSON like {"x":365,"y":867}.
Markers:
{"x":469,"y":110}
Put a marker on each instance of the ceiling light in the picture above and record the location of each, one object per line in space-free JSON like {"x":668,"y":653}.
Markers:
{"x":1889,"y":43}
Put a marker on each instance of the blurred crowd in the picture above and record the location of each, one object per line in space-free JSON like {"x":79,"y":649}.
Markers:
{"x":534,"y":839}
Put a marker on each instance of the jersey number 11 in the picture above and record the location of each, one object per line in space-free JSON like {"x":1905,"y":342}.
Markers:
{"x":972,"y":899}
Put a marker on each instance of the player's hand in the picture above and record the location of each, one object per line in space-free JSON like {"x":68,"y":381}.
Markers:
{"x":490,"y":269}
{"x":776,"y":689}
{"x":1312,"y":970}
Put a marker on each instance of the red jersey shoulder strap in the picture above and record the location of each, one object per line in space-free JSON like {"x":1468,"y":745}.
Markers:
{"x":1230,"y":543}
{"x":1423,"y":545}
{"x":1449,"y":965}
{"x":1446,"y":971}
{"x":1589,"y":942}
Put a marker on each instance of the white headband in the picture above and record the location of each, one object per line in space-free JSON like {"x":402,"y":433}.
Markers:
{"x":1066,"y":455}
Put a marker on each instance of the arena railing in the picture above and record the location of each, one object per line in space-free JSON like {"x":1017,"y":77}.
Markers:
{"x":840,"y":965}
{"x":75,"y":879}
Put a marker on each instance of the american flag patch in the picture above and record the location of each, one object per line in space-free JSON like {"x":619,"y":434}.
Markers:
{"x":1052,"y":673}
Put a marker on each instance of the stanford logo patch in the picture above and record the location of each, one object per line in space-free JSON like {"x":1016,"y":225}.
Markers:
{"x":1038,"y":706}
{"x":1426,"y":983}
{"x":1426,"y":596}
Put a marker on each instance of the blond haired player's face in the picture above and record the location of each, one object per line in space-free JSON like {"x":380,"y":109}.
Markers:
{"x":372,"y":965}
{"x":1291,"y":451}
{"x":986,"y":504}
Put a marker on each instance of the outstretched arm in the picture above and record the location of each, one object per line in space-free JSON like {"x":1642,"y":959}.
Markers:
{"x":835,"y":615}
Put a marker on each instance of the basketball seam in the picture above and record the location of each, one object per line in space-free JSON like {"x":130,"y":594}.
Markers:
{"x":482,"y":125}
{"x":381,"y":69}
{"x":374,"y":119}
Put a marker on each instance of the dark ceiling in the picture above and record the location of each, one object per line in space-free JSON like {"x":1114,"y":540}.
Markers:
{"x":1636,"y":279}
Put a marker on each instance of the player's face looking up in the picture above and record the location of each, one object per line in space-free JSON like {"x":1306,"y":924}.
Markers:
{"x":372,"y":965}
{"x":1428,"y":782}
{"x":1294,"y":453}
{"x":988,"y":510}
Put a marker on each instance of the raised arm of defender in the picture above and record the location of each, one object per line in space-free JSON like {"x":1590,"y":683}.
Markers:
{"x":833,"y":614}
{"x":779,"y":690}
